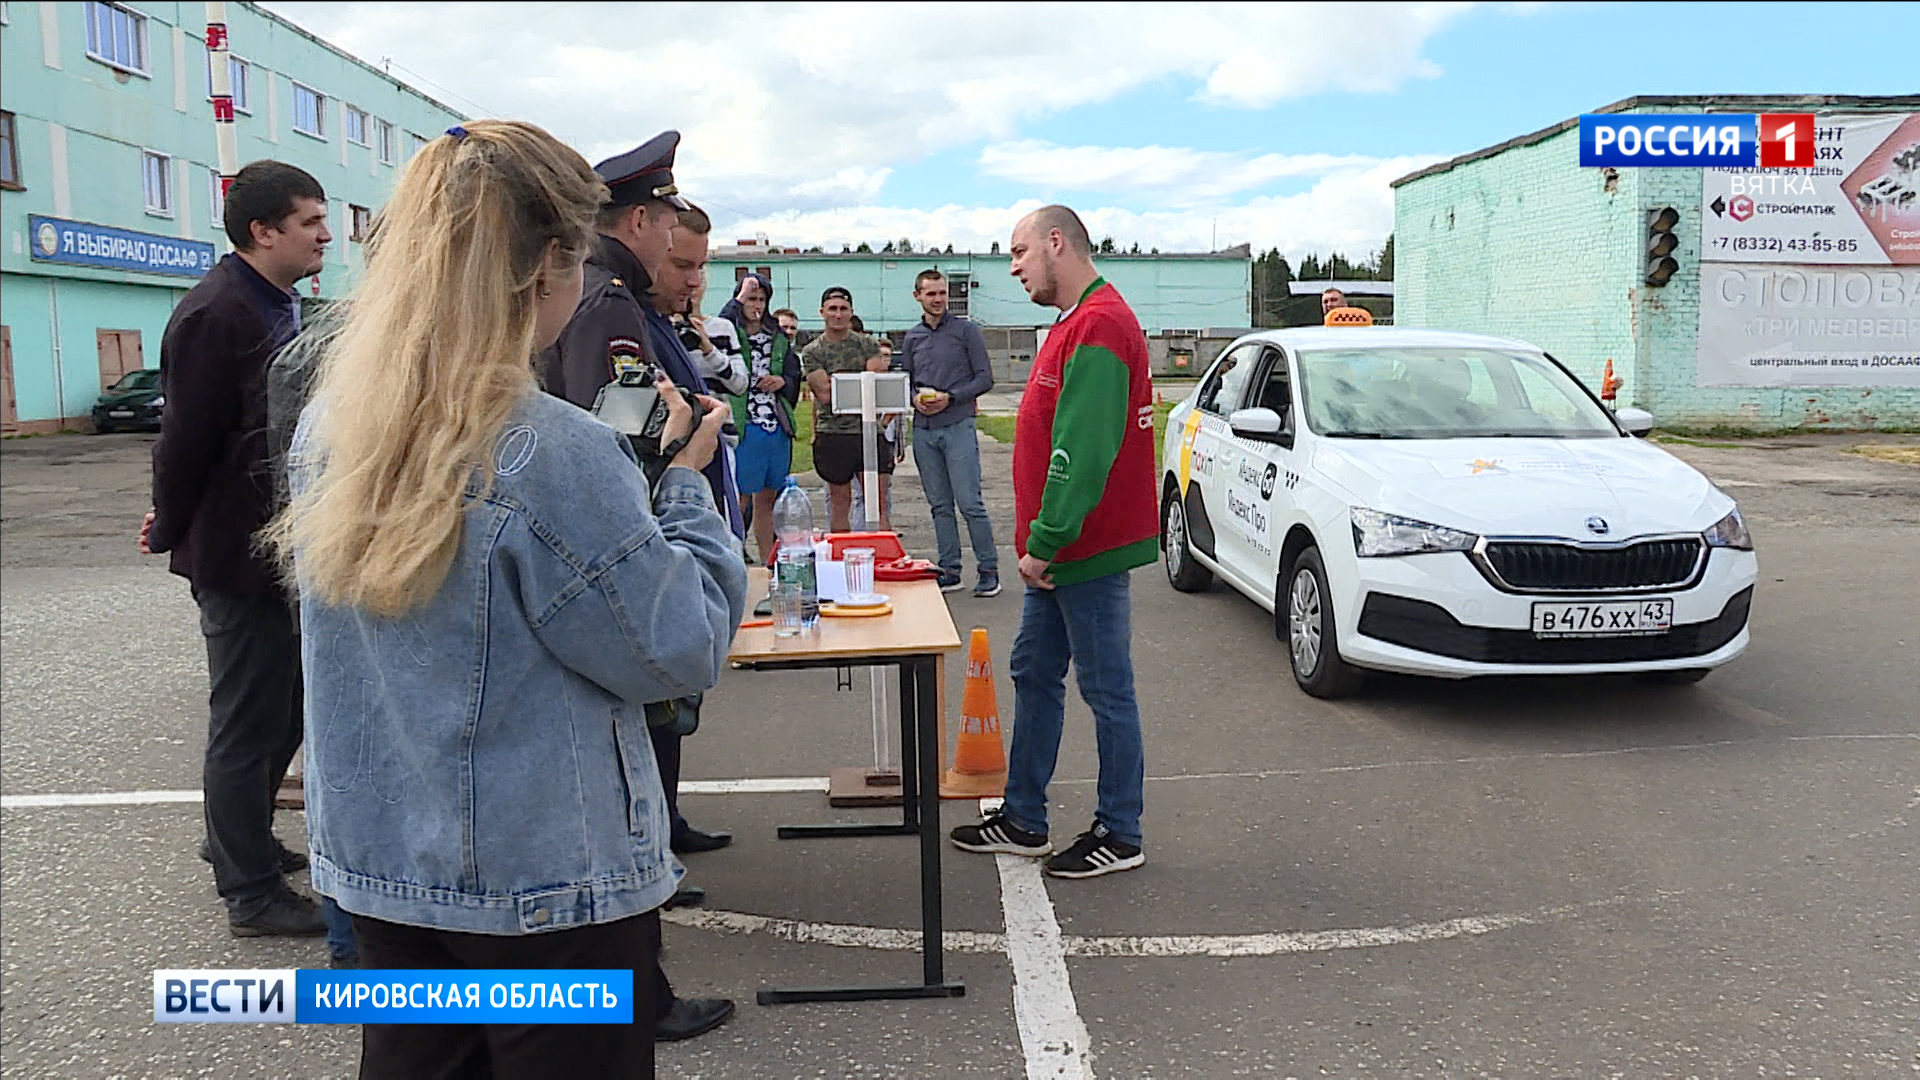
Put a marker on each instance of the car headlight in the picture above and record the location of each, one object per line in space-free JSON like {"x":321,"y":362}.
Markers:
{"x":159,"y":401}
{"x":1730,"y":532}
{"x":1378,"y":534}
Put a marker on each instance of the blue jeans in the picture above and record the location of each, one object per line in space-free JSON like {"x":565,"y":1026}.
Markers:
{"x":949,"y":462}
{"x":342,"y":944}
{"x":1091,"y":625}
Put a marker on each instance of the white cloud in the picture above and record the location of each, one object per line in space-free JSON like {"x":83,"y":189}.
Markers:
{"x":804,"y":107}
{"x":1163,"y":173}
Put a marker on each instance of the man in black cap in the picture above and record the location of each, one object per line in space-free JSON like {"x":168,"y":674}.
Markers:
{"x":616,"y":328}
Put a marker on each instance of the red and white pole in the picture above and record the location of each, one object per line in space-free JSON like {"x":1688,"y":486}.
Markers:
{"x":226,"y":140}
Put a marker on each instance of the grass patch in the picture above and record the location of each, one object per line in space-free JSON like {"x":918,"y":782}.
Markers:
{"x":1899,"y":455}
{"x":999,"y":428}
{"x":803,"y":437}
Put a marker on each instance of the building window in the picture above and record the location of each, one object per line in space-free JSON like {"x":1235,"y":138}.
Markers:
{"x":156,"y":177}
{"x":357,"y":126}
{"x":383,"y":140}
{"x":415,"y":144}
{"x":117,"y":36}
{"x":9,"y":154}
{"x":217,"y":200}
{"x":959,"y":287}
{"x":309,"y":111}
{"x":361,"y":220}
{"x":237,"y":72}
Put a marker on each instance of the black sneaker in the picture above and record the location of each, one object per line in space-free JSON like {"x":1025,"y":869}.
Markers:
{"x":692,"y":1017}
{"x":950,"y":582}
{"x":998,"y":836}
{"x":1096,"y":852}
{"x":989,"y":585}
{"x":283,"y":913}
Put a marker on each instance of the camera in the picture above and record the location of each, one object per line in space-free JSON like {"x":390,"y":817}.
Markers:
{"x":632,"y":406}
{"x":690,"y":338}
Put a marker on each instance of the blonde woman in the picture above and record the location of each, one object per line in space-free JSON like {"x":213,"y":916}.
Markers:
{"x":489,"y":593}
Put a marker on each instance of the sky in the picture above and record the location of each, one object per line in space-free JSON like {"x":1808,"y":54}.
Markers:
{"x":1186,"y":127}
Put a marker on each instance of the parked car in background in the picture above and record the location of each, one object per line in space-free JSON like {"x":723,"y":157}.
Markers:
{"x":1447,"y":504}
{"x":132,"y":404}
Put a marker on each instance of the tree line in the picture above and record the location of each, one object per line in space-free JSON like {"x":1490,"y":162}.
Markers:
{"x":1274,"y":305}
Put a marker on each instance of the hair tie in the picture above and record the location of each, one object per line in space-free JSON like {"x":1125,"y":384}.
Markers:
{"x":457,"y":132}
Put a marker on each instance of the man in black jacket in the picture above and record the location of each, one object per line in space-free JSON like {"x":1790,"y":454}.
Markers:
{"x":212,"y":490}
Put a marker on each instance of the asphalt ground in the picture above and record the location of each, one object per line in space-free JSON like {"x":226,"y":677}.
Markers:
{"x":1521,"y":877}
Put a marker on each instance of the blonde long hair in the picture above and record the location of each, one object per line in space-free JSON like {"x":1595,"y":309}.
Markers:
{"x":415,"y":384}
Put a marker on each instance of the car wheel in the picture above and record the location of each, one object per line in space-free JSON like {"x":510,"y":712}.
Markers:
{"x":1303,"y":618}
{"x":1183,"y":573}
{"x":1682,"y":677}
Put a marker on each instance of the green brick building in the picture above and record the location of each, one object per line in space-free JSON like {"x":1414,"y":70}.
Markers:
{"x":1518,"y":239}
{"x":108,"y":181}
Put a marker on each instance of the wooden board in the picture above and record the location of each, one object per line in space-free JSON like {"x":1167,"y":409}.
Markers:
{"x":920,"y":623}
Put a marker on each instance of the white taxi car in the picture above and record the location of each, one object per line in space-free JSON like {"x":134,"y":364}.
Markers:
{"x":1447,"y":504}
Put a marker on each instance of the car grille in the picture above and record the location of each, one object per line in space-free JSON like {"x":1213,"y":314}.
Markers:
{"x":1545,"y":566}
{"x":1430,"y":628}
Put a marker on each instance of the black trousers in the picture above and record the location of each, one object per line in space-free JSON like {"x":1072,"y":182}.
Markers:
{"x":512,"y":1051}
{"x":253,"y":663}
{"x":666,"y":754}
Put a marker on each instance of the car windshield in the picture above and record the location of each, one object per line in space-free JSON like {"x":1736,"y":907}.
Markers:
{"x":1415,"y":393}
{"x":144,"y":379}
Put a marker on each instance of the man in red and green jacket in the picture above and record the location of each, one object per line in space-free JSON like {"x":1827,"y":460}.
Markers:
{"x":1084,"y":518}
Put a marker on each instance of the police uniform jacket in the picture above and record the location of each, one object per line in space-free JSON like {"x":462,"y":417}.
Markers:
{"x":615,"y":328}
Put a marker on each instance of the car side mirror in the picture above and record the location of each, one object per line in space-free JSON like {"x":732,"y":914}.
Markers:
{"x":1637,"y":421}
{"x":1260,"y":425}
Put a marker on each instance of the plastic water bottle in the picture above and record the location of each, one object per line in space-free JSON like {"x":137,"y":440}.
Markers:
{"x":793,"y":522}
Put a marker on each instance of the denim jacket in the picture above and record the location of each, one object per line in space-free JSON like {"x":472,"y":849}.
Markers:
{"x":482,"y":763}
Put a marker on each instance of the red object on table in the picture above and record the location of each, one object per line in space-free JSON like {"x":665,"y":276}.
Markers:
{"x":905,"y":569}
{"x":886,"y":546}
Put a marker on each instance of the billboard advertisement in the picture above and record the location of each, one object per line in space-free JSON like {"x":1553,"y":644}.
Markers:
{"x":1859,"y":203}
{"x":1768,"y":324}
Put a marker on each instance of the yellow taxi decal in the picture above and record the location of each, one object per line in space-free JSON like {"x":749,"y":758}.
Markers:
{"x":1186,"y":449}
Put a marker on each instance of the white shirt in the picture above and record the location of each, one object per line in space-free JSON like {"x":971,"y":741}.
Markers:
{"x":724,"y":364}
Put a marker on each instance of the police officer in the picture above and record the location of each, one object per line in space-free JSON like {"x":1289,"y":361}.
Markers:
{"x":614,"y":329}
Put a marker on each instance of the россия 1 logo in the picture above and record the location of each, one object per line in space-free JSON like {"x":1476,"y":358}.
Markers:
{"x":1683,"y":140}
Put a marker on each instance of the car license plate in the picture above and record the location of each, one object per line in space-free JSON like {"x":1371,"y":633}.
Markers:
{"x":1609,"y":618}
{"x":120,"y":414}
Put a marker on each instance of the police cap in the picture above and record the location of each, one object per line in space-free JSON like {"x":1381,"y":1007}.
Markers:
{"x":644,"y":173}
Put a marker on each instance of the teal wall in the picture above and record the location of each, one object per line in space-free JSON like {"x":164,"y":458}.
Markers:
{"x":104,"y":118}
{"x":1166,"y":292}
{"x":1526,"y":243}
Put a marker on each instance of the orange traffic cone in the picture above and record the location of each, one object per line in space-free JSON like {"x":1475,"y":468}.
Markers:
{"x":1609,"y":383}
{"x":979,"y":760}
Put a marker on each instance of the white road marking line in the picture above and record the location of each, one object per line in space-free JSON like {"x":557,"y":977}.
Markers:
{"x":98,"y":798}
{"x":1281,"y":943}
{"x":773,"y":785}
{"x":1052,"y":1035}
{"x":790,"y":784}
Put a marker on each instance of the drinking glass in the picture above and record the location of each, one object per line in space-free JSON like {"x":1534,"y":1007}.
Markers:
{"x":787,"y":614}
{"x":859,"y":573}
